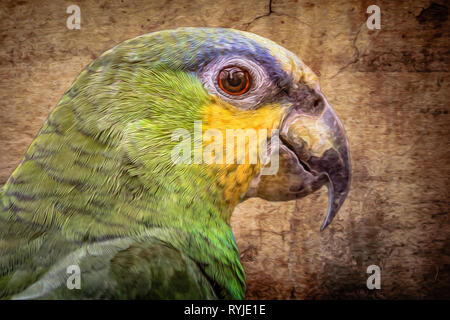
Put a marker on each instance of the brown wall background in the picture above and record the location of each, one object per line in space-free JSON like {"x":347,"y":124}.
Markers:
{"x":390,"y":87}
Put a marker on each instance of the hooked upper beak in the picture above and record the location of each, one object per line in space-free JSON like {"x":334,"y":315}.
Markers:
{"x":321,"y":146}
{"x":313,"y":151}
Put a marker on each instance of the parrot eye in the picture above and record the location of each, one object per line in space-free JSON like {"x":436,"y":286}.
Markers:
{"x":234,"y":80}
{"x":239,"y":81}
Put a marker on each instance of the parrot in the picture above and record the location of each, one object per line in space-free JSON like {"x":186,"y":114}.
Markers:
{"x":102,"y":207}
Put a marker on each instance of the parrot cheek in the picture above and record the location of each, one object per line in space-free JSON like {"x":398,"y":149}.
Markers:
{"x":313,"y":152}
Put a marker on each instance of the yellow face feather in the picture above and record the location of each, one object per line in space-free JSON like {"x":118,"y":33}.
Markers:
{"x":234,"y":178}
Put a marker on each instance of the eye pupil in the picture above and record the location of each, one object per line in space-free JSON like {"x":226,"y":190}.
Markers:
{"x":234,"y":80}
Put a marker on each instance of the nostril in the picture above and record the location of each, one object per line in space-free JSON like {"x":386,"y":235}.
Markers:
{"x":316,"y":102}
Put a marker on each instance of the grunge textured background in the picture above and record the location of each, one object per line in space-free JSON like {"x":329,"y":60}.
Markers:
{"x":390,"y":87}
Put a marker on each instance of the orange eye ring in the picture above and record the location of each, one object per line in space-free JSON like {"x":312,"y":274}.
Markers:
{"x":234,"y":80}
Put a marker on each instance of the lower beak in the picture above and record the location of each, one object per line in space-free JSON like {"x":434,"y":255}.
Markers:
{"x":321,"y":146}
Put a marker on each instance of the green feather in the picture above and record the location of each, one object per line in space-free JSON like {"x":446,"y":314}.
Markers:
{"x":99,"y":175}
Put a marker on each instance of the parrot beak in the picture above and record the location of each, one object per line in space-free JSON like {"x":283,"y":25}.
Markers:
{"x":321,"y":146}
{"x":313,"y":151}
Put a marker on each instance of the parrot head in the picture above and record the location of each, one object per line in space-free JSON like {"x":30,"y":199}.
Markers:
{"x":233,"y":80}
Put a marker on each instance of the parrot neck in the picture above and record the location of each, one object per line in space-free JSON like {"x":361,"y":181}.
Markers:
{"x":111,"y":198}
{"x":188,"y":218}
{"x":194,"y":219}
{"x":215,"y":253}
